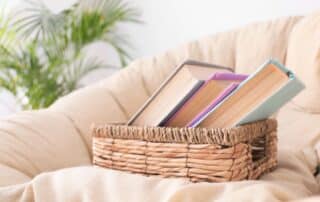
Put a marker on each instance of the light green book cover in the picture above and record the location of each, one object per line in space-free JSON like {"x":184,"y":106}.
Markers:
{"x":278,"y":99}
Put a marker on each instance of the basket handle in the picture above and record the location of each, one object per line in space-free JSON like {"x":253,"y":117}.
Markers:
{"x":268,"y":161}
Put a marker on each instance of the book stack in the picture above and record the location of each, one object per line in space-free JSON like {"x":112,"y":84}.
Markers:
{"x":198,"y":94}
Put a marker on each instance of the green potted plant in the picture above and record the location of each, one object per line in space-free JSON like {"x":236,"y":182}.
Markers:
{"x":42,"y":53}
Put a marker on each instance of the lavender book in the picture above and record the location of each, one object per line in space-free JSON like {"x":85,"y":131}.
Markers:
{"x":211,"y":93}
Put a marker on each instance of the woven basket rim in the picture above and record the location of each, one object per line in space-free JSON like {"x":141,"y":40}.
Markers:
{"x":222,"y":136}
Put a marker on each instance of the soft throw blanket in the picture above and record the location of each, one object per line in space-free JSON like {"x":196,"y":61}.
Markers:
{"x":293,"y":179}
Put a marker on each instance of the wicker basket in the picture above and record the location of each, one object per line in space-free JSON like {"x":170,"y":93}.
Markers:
{"x":200,"y":154}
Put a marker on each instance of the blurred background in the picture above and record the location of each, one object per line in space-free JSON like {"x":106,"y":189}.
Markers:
{"x":152,"y":27}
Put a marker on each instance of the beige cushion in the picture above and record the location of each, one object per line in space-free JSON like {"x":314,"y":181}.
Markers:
{"x":304,"y":59}
{"x":298,"y":129}
{"x":39,"y":141}
{"x":261,"y":41}
{"x":36,"y":146}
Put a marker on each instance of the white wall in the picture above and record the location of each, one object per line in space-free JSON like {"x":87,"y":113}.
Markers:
{"x":171,"y":22}
{"x":168,"y":23}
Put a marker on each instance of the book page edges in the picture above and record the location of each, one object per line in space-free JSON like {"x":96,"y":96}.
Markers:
{"x":202,"y":115}
{"x":177,"y":107}
{"x":166,"y":81}
{"x":275,"y":102}
{"x":260,"y":68}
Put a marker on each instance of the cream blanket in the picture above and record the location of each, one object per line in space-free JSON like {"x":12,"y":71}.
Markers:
{"x":292,"y":180}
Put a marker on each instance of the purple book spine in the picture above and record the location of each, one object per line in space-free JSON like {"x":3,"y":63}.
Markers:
{"x":214,"y":103}
{"x":228,"y":76}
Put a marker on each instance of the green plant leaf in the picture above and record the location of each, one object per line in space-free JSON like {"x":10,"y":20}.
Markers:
{"x":39,"y":22}
{"x":77,"y":70}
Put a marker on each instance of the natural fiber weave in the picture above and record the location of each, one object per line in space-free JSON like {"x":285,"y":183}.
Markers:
{"x":200,"y":154}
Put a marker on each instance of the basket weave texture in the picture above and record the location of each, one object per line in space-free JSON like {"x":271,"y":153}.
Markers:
{"x":199,"y":154}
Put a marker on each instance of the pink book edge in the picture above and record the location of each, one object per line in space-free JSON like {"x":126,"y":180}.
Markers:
{"x":214,"y":103}
{"x":216,"y":76}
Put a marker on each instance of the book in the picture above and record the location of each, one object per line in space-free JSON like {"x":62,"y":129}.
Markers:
{"x":215,"y":102}
{"x":257,"y":98}
{"x":207,"y":96}
{"x":278,"y":99}
{"x":174,"y":92}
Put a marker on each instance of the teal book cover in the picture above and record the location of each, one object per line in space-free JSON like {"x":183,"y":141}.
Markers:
{"x":278,"y":99}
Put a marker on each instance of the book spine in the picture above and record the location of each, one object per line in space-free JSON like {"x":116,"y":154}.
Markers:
{"x":212,"y":105}
{"x":228,"y":76}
